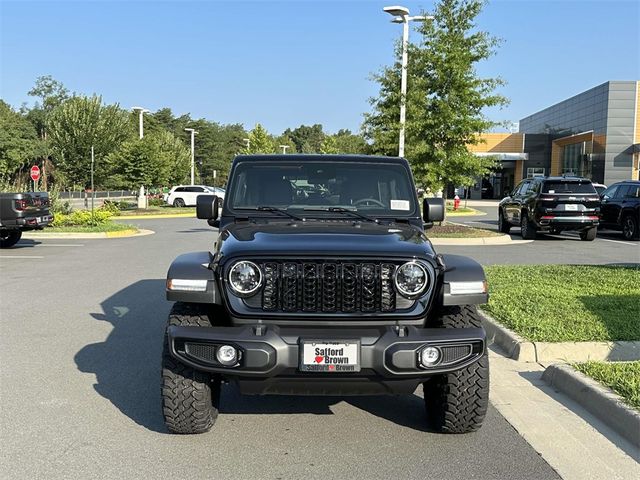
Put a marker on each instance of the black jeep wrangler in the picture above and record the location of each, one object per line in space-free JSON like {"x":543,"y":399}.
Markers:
{"x":323,"y":282}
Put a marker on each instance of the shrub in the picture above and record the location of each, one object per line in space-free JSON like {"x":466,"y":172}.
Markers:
{"x":82,"y":218}
{"x":156,"y":202}
{"x":111,"y":206}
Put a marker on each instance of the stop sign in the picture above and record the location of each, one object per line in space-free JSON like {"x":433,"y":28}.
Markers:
{"x":35,"y":173}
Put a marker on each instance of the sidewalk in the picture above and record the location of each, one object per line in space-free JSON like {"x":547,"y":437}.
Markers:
{"x":575,"y":443}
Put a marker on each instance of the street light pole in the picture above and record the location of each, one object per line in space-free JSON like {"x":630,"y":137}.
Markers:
{"x":284,"y":148}
{"x":401,"y":15}
{"x":193,"y":147}
{"x":141,"y":111}
{"x":248,"y":143}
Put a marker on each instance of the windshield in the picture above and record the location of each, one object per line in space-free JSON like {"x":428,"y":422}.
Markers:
{"x":372,"y":188}
{"x":568,"y":187}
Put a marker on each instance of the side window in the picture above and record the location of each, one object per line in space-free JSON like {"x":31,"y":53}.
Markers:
{"x":518,"y":189}
{"x":633,"y":192}
{"x":610,"y":192}
{"x":195,"y":189}
{"x":534,"y":187}
{"x":621,"y":192}
{"x":179,"y":189}
{"x":524,"y":188}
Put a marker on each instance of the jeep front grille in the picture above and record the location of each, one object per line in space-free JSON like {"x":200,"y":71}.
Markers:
{"x":330,"y":287}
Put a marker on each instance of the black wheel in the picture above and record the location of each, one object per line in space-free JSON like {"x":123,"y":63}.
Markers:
{"x":589,"y":234}
{"x":457,"y":402}
{"x":630,"y":229}
{"x":527,"y":227}
{"x":8,"y":238}
{"x":190,"y":398}
{"x":178,"y":203}
{"x":503,"y":225}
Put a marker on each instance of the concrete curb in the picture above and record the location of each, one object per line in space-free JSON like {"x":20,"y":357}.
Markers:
{"x":475,"y":213}
{"x":517,"y":348}
{"x":499,"y":240}
{"x":141,"y":232}
{"x":598,"y":400}
{"x":154,"y":217}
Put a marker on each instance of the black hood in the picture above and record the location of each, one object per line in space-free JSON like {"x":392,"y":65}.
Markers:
{"x":323,"y":238}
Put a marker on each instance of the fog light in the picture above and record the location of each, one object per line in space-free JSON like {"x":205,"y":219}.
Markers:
{"x":430,"y":356}
{"x":227,"y":355}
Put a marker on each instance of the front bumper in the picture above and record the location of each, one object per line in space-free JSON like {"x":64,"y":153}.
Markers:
{"x":270,"y":356}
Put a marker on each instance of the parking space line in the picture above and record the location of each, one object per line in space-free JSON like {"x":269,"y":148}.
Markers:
{"x":20,"y":256}
{"x":619,"y":241}
{"x":60,"y":245}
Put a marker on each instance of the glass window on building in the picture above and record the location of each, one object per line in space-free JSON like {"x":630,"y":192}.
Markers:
{"x":576,"y":159}
{"x":534,"y":172}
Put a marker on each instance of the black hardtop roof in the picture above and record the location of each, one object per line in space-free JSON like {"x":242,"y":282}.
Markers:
{"x":626,"y":182}
{"x":307,"y":157}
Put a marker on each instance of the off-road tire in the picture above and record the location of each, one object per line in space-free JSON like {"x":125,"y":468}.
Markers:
{"x":630,"y":230}
{"x":589,"y":235}
{"x":457,"y":402}
{"x":178,"y":203}
{"x":527,"y":227}
{"x":190,"y":398}
{"x":9,"y":238}
{"x":503,"y":225}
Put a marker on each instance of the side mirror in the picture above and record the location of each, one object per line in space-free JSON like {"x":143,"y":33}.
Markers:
{"x":207,"y":207}
{"x":433,"y":210}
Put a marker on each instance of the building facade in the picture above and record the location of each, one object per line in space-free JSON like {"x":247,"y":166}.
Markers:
{"x":595,"y":134}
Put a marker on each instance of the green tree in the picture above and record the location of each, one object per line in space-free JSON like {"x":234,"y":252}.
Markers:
{"x":445,"y":100}
{"x":158,"y":159}
{"x":347,"y":142}
{"x":77,"y":125}
{"x":52,"y":94}
{"x":306,"y":139}
{"x":19,"y":143}
{"x":260,"y":141}
{"x":286,"y":141}
{"x":329,"y":145}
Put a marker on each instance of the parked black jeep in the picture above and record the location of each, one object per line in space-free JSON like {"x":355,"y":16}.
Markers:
{"x":551,"y":204}
{"x":323,"y":282}
{"x":621,"y":208}
{"x":21,"y":212}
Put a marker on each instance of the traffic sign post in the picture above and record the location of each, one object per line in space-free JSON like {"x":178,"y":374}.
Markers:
{"x":35,"y":175}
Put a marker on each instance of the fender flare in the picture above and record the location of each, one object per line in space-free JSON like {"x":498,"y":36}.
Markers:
{"x":467,"y":278}
{"x":193,"y":266}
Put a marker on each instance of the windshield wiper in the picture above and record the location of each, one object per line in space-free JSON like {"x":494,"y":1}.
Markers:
{"x":267,"y":208}
{"x":343,"y":210}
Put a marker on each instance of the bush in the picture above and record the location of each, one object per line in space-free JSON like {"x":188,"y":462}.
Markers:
{"x":111,"y":206}
{"x":82,"y":218}
{"x":156,"y":202}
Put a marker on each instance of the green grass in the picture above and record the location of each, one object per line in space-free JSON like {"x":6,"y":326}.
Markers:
{"x":621,"y":377}
{"x":107,"y":227}
{"x":566,"y":303}
{"x":452,"y":230}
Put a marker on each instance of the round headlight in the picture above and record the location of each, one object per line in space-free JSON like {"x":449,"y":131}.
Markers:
{"x":411,"y":279}
{"x":245,"y":278}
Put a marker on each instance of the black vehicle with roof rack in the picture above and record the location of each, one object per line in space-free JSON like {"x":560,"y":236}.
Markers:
{"x":552,"y":205}
{"x":322,"y":282}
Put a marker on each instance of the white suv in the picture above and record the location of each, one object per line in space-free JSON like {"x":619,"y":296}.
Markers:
{"x":185,"y":195}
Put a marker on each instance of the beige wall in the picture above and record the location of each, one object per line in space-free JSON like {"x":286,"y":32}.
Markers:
{"x":499,"y":143}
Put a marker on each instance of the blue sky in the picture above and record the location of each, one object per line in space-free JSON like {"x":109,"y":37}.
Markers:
{"x":295,"y":62}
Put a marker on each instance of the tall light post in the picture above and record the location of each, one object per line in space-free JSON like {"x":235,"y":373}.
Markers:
{"x":401,"y":15}
{"x":141,"y":111}
{"x":247,"y":143}
{"x":193,"y":147}
{"x":284,"y":148}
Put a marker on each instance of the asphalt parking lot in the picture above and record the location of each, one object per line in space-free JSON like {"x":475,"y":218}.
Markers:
{"x":82,"y":326}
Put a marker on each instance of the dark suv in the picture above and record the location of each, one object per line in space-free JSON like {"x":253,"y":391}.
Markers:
{"x":551,"y":204}
{"x":323,"y":282}
{"x":620,"y":208}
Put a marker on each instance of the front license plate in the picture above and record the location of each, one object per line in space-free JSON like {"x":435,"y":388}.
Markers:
{"x":571,"y":206}
{"x":324,"y":356}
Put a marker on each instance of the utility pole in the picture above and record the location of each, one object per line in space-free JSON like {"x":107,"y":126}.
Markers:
{"x":93,"y":190}
{"x":284,"y":148}
{"x":193,"y":147}
{"x":141,"y":111}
